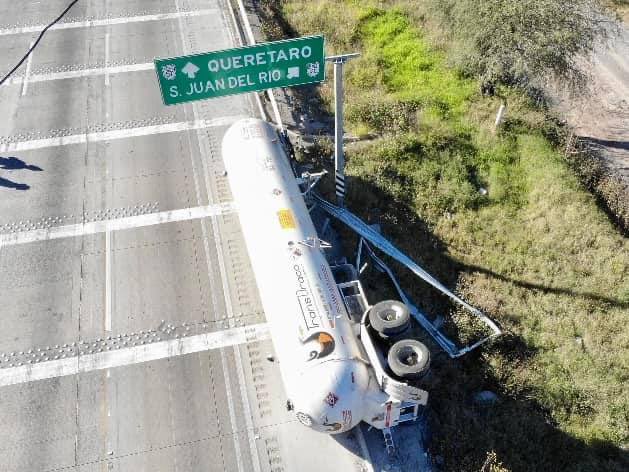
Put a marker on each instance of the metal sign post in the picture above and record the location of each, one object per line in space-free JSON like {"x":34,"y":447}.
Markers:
{"x":339,"y":158}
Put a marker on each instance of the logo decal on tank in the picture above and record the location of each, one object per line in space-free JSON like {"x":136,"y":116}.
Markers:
{"x":319,"y":345}
{"x":253,"y":131}
{"x":305,"y":299}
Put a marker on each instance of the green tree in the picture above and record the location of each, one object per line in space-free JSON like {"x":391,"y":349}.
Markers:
{"x":525,"y":42}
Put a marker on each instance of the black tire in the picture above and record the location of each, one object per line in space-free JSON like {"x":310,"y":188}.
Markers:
{"x":389,"y":317}
{"x":409,"y":359}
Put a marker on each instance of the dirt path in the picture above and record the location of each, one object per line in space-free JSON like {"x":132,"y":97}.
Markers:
{"x":603,"y":116}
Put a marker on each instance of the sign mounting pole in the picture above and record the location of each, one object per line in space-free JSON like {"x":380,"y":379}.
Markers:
{"x":339,"y":158}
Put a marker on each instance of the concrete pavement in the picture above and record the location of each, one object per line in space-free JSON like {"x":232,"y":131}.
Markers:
{"x":86,"y":112}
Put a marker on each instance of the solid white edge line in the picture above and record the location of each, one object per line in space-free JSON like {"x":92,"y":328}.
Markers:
{"x":238,"y":39}
{"x":117,"y":224}
{"x":252,"y":41}
{"x":367,"y":461}
{"x":109,"y":21}
{"x":248,"y":30}
{"x":132,"y":355}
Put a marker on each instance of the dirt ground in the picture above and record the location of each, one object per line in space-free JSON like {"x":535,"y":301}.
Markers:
{"x":623,"y":14}
{"x":603,"y":115}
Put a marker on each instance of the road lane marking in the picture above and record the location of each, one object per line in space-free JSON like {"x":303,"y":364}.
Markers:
{"x":132,"y":355}
{"x":225,"y":367}
{"x":117,"y":134}
{"x":29,"y":61}
{"x":108,"y":280}
{"x":110,"y":21}
{"x":106,"y":58}
{"x":77,"y":74}
{"x":252,"y":41}
{"x":116,"y":224}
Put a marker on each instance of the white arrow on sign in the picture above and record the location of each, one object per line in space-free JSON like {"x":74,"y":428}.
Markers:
{"x":190,"y":70}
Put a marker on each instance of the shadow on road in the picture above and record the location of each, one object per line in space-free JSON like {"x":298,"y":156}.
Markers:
{"x":14,"y":185}
{"x":13,"y":163}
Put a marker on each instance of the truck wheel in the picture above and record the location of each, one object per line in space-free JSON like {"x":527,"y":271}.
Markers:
{"x":389,"y":317}
{"x":409,"y":359}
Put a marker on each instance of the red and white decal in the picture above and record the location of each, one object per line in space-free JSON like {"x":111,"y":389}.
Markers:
{"x":387,"y":421}
{"x":347,"y":416}
{"x":331,"y":399}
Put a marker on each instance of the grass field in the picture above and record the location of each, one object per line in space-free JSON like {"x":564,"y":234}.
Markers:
{"x":501,"y":217}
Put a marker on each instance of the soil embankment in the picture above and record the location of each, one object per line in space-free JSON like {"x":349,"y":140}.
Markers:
{"x":600,"y":120}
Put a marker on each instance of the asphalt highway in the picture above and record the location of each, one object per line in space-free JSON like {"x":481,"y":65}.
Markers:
{"x":132,"y":333}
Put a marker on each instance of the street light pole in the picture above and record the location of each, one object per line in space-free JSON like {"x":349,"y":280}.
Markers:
{"x":339,"y":158}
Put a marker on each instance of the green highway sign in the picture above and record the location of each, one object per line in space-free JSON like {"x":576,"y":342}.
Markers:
{"x":248,"y":69}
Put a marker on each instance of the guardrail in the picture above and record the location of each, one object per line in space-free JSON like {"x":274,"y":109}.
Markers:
{"x":367,"y":233}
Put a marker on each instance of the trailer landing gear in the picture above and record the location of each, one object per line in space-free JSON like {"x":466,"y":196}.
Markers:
{"x":388,"y":441}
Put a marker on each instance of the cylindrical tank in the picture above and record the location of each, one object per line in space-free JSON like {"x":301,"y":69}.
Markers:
{"x":317,"y":350}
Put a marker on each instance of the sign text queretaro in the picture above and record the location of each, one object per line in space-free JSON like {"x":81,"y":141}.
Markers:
{"x":252,"y":68}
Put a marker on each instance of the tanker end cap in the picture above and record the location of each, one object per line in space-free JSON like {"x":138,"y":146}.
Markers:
{"x":245,"y":129}
{"x":331,"y":396}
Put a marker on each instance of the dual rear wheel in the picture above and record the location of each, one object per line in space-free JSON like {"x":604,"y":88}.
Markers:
{"x":389,"y":318}
{"x":407,"y":358}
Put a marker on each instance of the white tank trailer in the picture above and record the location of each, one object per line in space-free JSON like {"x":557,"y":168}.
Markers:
{"x":334,"y":372}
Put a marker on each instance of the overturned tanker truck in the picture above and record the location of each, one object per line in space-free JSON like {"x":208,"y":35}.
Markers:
{"x":341,"y":360}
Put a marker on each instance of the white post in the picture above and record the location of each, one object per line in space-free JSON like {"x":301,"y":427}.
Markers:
{"x":500,"y":116}
{"x":339,"y":158}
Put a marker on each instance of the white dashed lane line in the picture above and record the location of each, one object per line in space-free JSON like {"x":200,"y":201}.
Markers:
{"x":110,"y":21}
{"x":78,"y":74}
{"x":107,"y":58}
{"x":117,"y":224}
{"x":116,"y":134}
